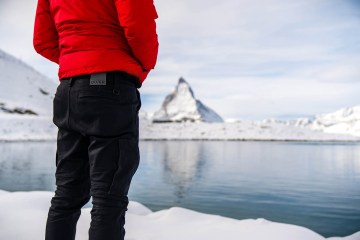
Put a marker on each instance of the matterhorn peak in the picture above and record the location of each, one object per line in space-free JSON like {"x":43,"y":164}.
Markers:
{"x":184,"y":88}
{"x":181,"y":105}
{"x":182,"y":80}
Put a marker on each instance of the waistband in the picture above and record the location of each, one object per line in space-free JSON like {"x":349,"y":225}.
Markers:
{"x":110,"y":78}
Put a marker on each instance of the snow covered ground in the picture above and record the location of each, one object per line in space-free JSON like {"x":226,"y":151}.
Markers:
{"x":23,"y":128}
{"x":345,"y":121}
{"x":241,"y":130}
{"x":23,"y":216}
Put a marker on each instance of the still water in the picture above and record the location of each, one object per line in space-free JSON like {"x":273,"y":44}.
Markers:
{"x":315,"y":185}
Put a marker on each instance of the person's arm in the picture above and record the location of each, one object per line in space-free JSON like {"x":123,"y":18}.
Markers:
{"x":137,"y":17}
{"x":46,"y":40}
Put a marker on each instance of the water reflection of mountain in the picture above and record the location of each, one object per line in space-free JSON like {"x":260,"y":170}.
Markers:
{"x":183,"y":165}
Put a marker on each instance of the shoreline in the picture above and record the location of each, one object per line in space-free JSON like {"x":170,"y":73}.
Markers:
{"x":41,"y":129}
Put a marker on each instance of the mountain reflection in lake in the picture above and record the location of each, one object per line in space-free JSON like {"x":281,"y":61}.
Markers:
{"x":183,"y":163}
{"x":315,"y":185}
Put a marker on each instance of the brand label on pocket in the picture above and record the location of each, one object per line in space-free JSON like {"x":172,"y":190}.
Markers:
{"x":98,"y":79}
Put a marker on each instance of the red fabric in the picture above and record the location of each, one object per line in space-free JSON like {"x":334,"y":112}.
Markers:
{"x":89,"y":36}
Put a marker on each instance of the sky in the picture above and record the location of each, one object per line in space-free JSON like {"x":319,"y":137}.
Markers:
{"x":246,"y":59}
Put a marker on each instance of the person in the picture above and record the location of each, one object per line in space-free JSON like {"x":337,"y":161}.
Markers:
{"x":105,"y":50}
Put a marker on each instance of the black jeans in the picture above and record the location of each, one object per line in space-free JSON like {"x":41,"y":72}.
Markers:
{"x":97,"y":155}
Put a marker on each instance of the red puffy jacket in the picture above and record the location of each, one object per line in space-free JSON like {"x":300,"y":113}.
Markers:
{"x":90,"y":36}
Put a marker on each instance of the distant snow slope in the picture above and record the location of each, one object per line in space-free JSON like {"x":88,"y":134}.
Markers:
{"x":24,"y":90}
{"x":240,"y":130}
{"x":23,"y":216}
{"x":181,"y":105}
{"x":26,"y":98}
{"x":344,"y":121}
{"x":15,"y":127}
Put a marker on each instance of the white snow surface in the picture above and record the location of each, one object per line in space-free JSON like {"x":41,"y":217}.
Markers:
{"x":15,"y":127}
{"x":181,"y":105}
{"x":22,"y":87}
{"x":344,"y":121}
{"x":38,"y":128}
{"x":240,"y":130}
{"x":23,"y":216}
{"x":18,"y":127}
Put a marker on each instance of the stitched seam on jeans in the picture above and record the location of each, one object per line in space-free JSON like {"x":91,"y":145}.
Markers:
{"x":113,"y":182}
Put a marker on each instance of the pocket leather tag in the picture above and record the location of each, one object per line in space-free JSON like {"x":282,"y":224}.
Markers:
{"x":98,"y":79}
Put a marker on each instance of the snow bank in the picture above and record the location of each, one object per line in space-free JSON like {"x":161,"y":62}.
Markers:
{"x":345,"y":121}
{"x":22,"y":128}
{"x":241,"y":130}
{"x":23,"y":216}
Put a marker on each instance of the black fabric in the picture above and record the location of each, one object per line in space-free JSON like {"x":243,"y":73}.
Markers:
{"x":97,"y":156}
{"x":124,"y":76}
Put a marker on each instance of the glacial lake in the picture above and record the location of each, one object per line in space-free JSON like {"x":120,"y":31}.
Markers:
{"x":315,"y":185}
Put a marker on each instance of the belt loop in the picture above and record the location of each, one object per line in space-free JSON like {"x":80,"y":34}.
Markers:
{"x":116,"y":79}
{"x":71,"y":81}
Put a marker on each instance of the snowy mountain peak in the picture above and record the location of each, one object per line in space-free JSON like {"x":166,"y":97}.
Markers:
{"x":182,"y":80}
{"x":181,"y":105}
{"x":184,"y":88}
{"x":184,"y":85}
